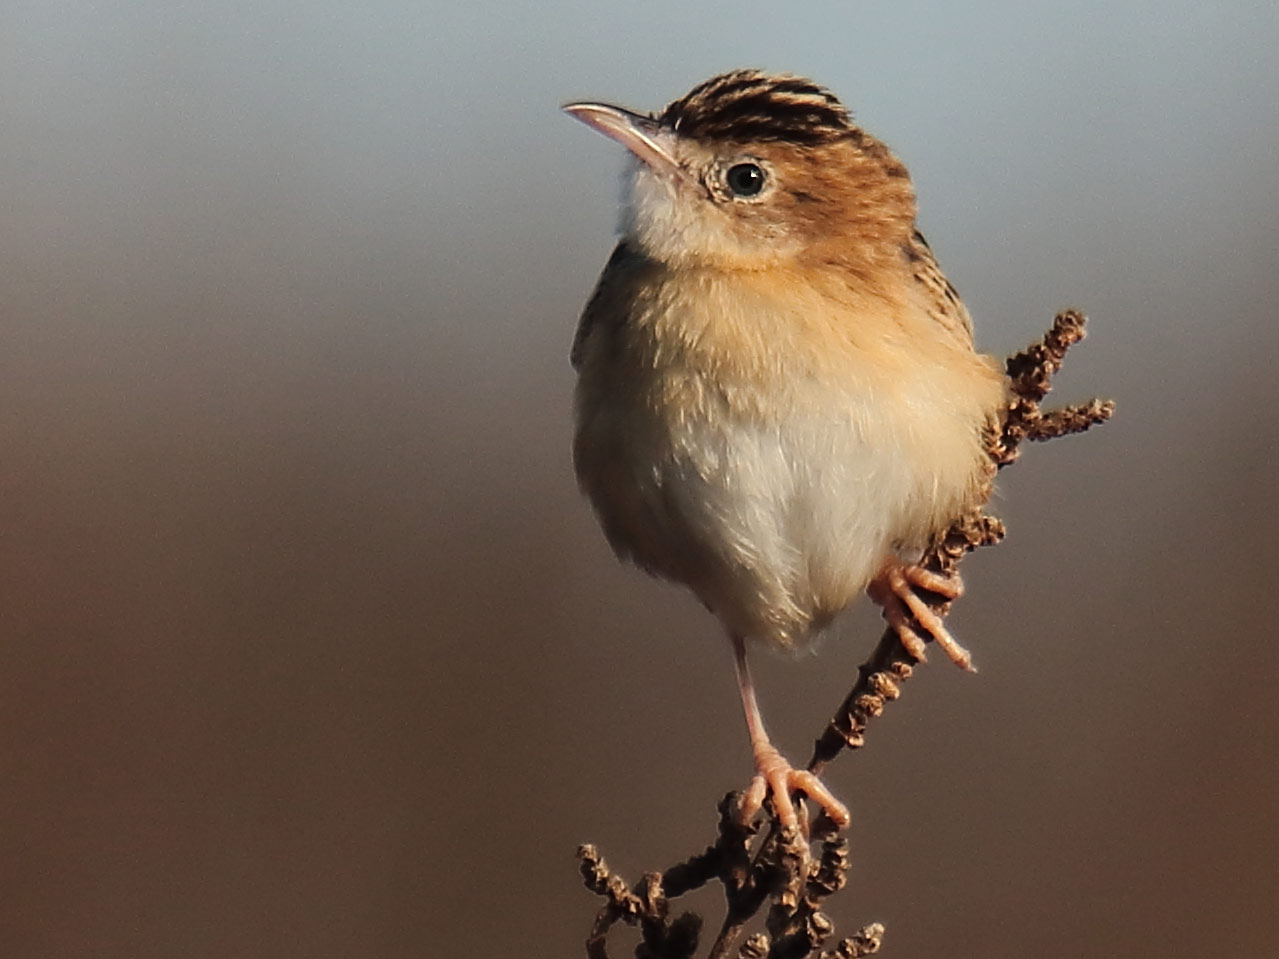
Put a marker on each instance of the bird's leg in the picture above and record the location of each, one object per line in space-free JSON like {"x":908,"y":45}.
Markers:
{"x":894,"y":590}
{"x":773,"y":774}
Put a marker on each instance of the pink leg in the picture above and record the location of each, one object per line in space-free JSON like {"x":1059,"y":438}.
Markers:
{"x":773,"y":774}
{"x":894,"y":590}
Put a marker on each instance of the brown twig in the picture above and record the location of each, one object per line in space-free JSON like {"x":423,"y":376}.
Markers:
{"x":1030,"y":375}
{"x":781,"y":873}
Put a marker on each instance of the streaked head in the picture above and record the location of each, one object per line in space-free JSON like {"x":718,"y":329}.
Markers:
{"x":749,"y":169}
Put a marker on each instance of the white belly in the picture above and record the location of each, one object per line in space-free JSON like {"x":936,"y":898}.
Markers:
{"x":777,"y":525}
{"x":741,"y":438}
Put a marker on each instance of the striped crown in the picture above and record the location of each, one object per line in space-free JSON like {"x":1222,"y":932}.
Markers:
{"x":747,"y":105}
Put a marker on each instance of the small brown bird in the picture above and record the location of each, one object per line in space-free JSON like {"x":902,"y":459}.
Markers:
{"x":778,"y":401}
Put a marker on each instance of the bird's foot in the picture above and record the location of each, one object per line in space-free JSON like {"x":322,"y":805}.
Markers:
{"x":776,"y":777}
{"x":894,"y":590}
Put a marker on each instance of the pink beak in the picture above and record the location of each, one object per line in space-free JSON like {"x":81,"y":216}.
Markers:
{"x":642,"y":135}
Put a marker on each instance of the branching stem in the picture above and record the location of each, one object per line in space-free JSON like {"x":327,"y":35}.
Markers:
{"x":782,"y":873}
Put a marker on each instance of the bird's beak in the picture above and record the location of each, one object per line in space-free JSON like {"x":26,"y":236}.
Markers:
{"x":643,"y":136}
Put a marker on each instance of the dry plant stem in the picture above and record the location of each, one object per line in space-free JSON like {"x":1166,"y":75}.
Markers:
{"x":1030,"y":375}
{"x":781,"y":873}
{"x":879,"y":679}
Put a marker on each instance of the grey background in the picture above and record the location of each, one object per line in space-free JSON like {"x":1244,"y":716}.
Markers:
{"x":308,"y":646}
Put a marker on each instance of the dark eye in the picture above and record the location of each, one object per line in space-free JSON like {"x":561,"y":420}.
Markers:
{"x":744,"y":179}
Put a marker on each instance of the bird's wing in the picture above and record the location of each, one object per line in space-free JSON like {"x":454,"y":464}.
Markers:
{"x":600,"y":304}
{"x":940,"y":297}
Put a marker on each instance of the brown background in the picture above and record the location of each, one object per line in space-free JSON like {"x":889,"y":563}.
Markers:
{"x":308,"y":646}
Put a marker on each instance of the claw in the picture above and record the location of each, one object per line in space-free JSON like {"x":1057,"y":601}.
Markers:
{"x":776,"y":777}
{"x":894,"y":590}
{"x":773,"y":774}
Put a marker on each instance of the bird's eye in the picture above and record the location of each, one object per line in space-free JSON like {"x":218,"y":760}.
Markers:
{"x":745,"y":179}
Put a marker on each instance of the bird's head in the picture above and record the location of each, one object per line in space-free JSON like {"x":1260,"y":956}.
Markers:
{"x":749,"y":170}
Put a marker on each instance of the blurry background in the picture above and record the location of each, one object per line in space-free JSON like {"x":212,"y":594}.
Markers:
{"x":308,"y":646}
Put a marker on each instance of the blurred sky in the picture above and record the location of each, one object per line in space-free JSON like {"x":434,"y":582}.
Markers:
{"x":308,"y":646}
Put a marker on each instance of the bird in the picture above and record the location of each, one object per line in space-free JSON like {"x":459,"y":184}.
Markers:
{"x":779,"y":403}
